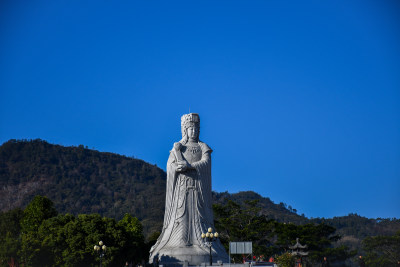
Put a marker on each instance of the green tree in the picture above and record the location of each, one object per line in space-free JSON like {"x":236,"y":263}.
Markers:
{"x":245,"y":223}
{"x":66,"y":240}
{"x":37,"y":236}
{"x":38,"y":210}
{"x":318,"y":237}
{"x":85,"y":231}
{"x":10,"y":241}
{"x":285,"y":260}
{"x":134,"y":249}
{"x":382,"y":250}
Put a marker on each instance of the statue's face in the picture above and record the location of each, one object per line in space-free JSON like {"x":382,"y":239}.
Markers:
{"x":193,"y":133}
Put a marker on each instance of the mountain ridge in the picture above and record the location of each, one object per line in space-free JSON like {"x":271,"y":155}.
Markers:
{"x":82,"y":180}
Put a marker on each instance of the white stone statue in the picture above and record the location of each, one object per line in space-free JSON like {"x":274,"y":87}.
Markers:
{"x":188,"y":207}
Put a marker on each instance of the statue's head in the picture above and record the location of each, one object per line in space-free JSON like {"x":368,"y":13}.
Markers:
{"x":190,"y":126}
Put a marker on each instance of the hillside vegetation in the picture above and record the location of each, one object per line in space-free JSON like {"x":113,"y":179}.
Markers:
{"x":80,"y":180}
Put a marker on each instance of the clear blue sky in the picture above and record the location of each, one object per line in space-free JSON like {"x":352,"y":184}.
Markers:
{"x":300,"y":100}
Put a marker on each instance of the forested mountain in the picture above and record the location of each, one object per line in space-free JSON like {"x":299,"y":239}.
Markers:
{"x":280,"y":212}
{"x":80,"y":180}
{"x":354,"y":228}
{"x":351,"y":228}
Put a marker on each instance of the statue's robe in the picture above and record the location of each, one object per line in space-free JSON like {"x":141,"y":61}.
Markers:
{"x":188,"y":209}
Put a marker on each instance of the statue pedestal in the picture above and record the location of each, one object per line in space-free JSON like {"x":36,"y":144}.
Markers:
{"x":194,"y":255}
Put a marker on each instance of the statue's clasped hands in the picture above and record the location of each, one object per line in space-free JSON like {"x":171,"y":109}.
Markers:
{"x":182,"y":166}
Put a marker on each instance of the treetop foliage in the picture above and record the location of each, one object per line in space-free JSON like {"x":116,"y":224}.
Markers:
{"x":382,"y":250}
{"x":38,"y":210}
{"x":68,"y":240}
{"x":246,"y":222}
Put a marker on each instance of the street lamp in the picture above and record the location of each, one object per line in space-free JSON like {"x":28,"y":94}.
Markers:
{"x":209,"y":237}
{"x":101,"y":250}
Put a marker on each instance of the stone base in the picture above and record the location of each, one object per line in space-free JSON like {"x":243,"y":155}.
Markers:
{"x":193,"y":255}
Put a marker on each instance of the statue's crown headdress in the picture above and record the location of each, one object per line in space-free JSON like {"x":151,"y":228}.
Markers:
{"x":190,"y":118}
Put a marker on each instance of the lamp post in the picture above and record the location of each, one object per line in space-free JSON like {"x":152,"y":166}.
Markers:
{"x":101,"y":250}
{"x":209,"y":237}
